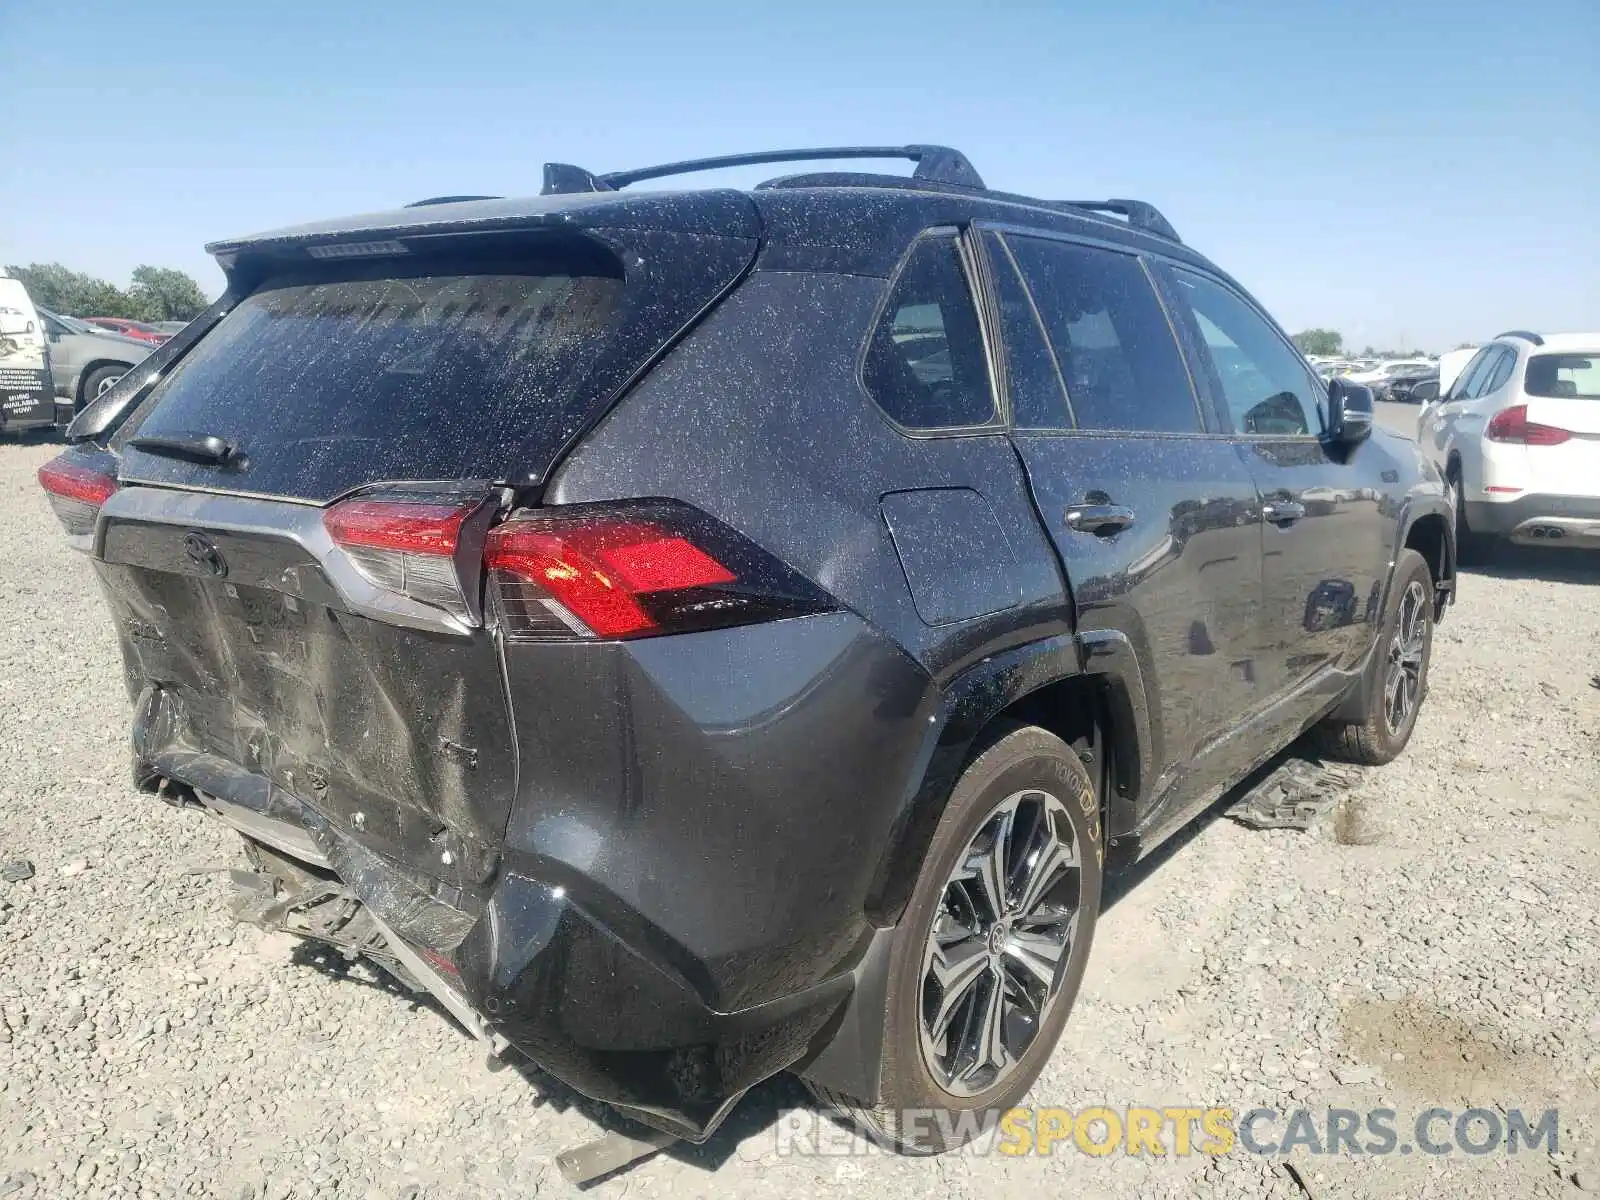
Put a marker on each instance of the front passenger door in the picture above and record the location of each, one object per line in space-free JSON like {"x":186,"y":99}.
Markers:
{"x":1325,"y":539}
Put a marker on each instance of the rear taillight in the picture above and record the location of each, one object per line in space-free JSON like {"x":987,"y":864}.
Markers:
{"x":406,"y":545}
{"x":633,"y":570}
{"x":76,"y":493}
{"x":1512,"y":425}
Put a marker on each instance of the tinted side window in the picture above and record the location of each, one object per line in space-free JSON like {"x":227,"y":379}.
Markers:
{"x":1495,"y":377}
{"x":1263,"y":383}
{"x":925,"y":364}
{"x":1038,"y":400}
{"x":1111,"y":337}
{"x":1460,"y":387}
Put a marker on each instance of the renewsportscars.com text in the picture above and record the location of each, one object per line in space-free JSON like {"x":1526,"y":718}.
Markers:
{"x":1178,"y":1130}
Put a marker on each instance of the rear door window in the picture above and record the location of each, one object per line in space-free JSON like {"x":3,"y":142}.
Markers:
{"x":1111,"y":337}
{"x":925,"y":365}
{"x":1502,"y":372}
{"x":1038,"y":396}
{"x":1461,"y":388}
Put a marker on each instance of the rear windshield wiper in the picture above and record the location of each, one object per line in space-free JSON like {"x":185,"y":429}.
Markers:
{"x":196,"y":447}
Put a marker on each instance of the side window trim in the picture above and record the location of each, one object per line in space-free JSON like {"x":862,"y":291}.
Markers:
{"x":1458,"y":385}
{"x":978,"y":296}
{"x":1010,"y":264}
{"x":1213,"y":382}
{"x":1506,"y":362}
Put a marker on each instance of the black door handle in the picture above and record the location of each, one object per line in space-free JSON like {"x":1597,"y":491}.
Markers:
{"x":1281,"y":512}
{"x":1102,"y":520}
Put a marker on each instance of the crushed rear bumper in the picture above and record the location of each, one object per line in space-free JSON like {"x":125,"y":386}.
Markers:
{"x":687,"y":896}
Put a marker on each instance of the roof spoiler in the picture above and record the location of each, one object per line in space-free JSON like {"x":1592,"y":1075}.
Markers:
{"x":937,"y":164}
{"x":1522,"y":333}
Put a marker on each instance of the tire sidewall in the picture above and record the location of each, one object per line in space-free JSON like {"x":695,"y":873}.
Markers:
{"x":1025,"y":758}
{"x":1410,"y":567}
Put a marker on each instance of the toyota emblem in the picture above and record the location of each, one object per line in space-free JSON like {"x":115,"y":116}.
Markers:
{"x":203,"y":553}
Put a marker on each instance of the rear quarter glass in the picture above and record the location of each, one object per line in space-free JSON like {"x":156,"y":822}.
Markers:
{"x":478,"y":363}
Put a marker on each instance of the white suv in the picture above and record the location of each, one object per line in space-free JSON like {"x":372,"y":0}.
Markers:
{"x":1518,"y":436}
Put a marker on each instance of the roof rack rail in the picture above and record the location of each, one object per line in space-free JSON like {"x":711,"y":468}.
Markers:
{"x":1139,"y":214}
{"x":1522,"y":333}
{"x":939,"y":164}
{"x":448,"y":200}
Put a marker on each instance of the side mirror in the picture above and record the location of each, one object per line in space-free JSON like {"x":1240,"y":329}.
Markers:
{"x":1349,"y":413}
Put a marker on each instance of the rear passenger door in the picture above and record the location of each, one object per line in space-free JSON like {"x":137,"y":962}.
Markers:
{"x":1153,"y":514}
{"x":1326,"y":541}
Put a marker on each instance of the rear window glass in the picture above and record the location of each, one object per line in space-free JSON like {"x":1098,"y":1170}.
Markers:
{"x":1564,"y":376}
{"x":415,"y":369}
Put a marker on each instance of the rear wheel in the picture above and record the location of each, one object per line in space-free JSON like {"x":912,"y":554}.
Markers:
{"x":1398,"y":675}
{"x":992,"y":948}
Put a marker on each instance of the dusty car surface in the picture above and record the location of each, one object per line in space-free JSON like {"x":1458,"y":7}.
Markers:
{"x":706,"y":634}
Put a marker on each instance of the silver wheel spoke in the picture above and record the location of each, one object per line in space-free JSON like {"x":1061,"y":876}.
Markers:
{"x":989,"y":865}
{"x":1043,"y":869}
{"x":956,"y":969}
{"x":1037,"y":954}
{"x":990,"y":1052}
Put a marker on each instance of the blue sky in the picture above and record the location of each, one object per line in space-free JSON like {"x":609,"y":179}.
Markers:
{"x":1426,"y":172}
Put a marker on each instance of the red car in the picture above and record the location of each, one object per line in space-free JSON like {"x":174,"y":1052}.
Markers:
{"x":134,"y":329}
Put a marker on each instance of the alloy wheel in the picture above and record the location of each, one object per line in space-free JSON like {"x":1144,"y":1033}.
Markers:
{"x":1402,"y":684}
{"x":1001,"y":939}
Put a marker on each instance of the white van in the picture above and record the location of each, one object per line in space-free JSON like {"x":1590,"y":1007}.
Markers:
{"x":27,"y":395}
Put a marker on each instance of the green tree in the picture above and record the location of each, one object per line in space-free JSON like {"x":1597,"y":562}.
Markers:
{"x":157,"y":293}
{"x":165,"y":294}
{"x":1320,"y":341}
{"x":53,"y":286}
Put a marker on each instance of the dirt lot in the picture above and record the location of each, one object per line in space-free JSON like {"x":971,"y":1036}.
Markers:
{"x":1433,"y":941}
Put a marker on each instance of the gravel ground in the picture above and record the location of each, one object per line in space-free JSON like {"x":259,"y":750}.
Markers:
{"x":1433,"y":940}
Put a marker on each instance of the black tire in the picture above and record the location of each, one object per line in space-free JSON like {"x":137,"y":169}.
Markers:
{"x":1025,"y":761}
{"x":97,"y":379}
{"x":1377,"y":738}
{"x":1471,"y":548}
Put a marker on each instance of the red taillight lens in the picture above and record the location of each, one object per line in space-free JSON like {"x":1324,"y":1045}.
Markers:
{"x":406,"y":545}
{"x":76,"y":493}
{"x":1512,"y":425}
{"x":635,"y":570}
{"x":420,"y":528}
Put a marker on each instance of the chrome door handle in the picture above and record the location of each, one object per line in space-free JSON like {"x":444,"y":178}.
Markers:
{"x":1281,"y":512}
{"x":1102,"y":520}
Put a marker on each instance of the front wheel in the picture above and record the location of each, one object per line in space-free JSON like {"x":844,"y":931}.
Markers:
{"x":988,"y":958}
{"x":100,"y":381}
{"x":1397,"y":679}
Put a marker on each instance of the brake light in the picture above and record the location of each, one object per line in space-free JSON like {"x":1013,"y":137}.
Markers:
{"x":76,"y":493}
{"x":1512,"y":425}
{"x":634,"y":570}
{"x":406,"y":545}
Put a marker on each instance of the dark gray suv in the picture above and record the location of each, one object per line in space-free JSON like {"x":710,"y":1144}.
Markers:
{"x":699,"y":635}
